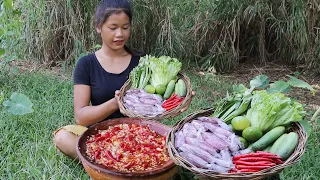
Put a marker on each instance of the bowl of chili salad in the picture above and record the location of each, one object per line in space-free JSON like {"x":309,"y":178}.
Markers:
{"x":126,"y":147}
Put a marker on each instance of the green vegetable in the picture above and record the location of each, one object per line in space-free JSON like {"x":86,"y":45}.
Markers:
{"x":238,"y":104}
{"x":278,"y":143}
{"x":141,"y":74}
{"x":180,"y":88}
{"x":135,"y":77}
{"x":160,"y":89}
{"x":164,"y":69}
{"x":267,"y":149}
{"x":268,"y":138}
{"x":287,"y":146}
{"x":270,"y":110}
{"x":144,"y":78}
{"x":169,"y":89}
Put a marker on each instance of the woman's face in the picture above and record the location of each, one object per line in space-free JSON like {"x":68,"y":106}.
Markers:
{"x":115,"y":31}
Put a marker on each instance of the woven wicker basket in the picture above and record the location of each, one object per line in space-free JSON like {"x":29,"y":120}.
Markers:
{"x":209,"y":174}
{"x":184,"y":105}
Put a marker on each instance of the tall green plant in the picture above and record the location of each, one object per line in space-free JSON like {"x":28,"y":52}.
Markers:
{"x":10,"y":35}
{"x":215,"y":34}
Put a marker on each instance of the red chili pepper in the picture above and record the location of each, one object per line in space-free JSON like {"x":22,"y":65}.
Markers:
{"x":244,"y":156}
{"x":239,"y":162}
{"x":252,"y":167}
{"x":173,"y":95}
{"x":172,"y":105}
{"x":109,"y":155}
{"x":171,"y":101}
{"x":253,"y":159}
{"x":151,"y":146}
{"x":167,"y":104}
{"x":130,"y":137}
{"x":277,"y":161}
{"x":174,"y":102}
{"x":119,"y":156}
{"x":100,"y":139}
{"x":267,"y":155}
{"x":145,"y":165}
{"x":129,"y":165}
{"x":97,"y":154}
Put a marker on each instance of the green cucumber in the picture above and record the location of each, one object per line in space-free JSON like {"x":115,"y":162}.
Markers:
{"x":180,"y":88}
{"x":268,"y":138}
{"x":267,"y":149}
{"x":278,"y":143}
{"x":288,"y":146}
{"x":169,"y":89}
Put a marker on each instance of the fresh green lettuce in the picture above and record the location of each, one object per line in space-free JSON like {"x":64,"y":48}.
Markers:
{"x":157,"y":71}
{"x":164,"y":69}
{"x":270,"y":110}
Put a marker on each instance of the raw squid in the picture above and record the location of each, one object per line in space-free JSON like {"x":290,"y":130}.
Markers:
{"x":179,"y":139}
{"x":193,"y":159}
{"x":199,"y":126}
{"x":189,"y":130}
{"x":141,"y":102}
{"x":214,"y":141}
{"x":201,"y":144}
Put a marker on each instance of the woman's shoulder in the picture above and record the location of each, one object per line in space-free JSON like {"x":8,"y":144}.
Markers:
{"x":85,"y":60}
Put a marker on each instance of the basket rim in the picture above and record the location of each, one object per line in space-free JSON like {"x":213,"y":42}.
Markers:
{"x":294,"y":158}
{"x":183,"y":106}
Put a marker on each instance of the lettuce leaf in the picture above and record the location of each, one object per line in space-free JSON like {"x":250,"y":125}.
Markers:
{"x":164,"y":69}
{"x":270,"y":110}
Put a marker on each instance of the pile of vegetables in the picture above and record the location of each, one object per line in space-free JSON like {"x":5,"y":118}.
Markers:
{"x":159,"y":71}
{"x":270,"y":110}
{"x":156,"y":76}
{"x":249,"y":129}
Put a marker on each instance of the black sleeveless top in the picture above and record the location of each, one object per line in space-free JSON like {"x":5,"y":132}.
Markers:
{"x":103,"y":84}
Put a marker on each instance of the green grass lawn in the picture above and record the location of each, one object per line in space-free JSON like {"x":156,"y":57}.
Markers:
{"x":27,"y":150}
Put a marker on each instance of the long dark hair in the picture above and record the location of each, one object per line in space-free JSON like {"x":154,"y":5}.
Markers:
{"x":108,"y":7}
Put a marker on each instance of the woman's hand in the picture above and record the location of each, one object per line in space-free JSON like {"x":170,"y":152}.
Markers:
{"x":117,"y":96}
{"x":192,"y":95}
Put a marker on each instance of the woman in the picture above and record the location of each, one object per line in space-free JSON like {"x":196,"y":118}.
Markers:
{"x":98,"y":76}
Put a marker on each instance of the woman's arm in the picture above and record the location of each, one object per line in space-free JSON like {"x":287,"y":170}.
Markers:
{"x":84,"y":113}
